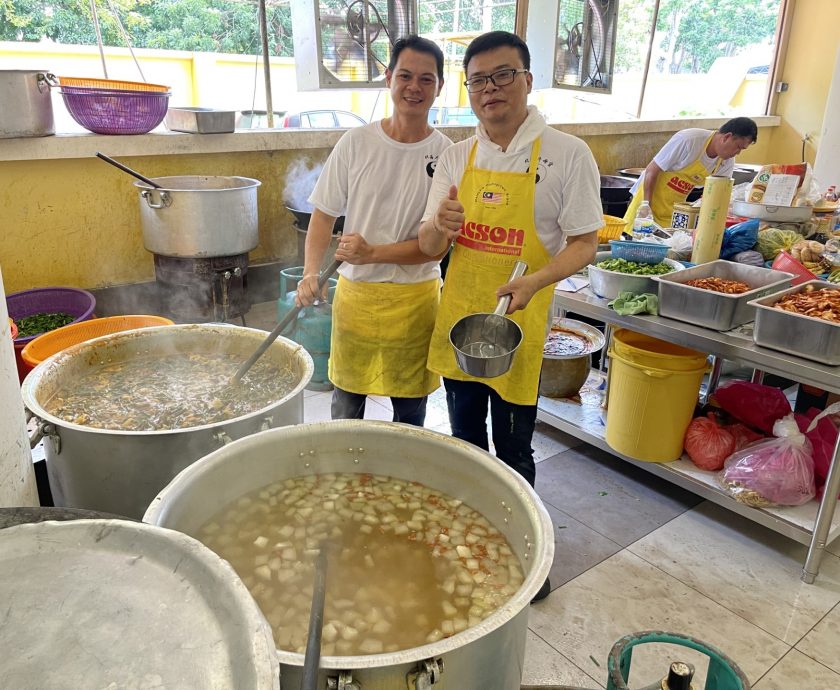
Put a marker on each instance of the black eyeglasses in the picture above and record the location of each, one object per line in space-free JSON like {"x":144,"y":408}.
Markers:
{"x":501,"y":78}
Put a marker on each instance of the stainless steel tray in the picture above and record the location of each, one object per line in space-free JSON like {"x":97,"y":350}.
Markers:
{"x":608,"y":284}
{"x":796,"y":334}
{"x":200,"y":120}
{"x":715,"y":309}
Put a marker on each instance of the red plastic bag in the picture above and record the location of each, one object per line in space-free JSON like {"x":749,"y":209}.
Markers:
{"x":753,"y":404}
{"x":779,"y":471}
{"x":707,"y":443}
{"x":744,"y":436}
{"x":821,"y":430}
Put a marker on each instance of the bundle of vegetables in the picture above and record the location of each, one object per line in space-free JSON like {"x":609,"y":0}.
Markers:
{"x":834,"y":276}
{"x":42,"y":322}
{"x":771,"y":241}
{"x":624,"y":266}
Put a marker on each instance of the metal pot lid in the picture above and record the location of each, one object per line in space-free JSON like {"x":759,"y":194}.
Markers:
{"x":569,"y":339}
{"x":110,"y":603}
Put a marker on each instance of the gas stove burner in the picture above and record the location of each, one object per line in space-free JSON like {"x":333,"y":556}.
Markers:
{"x":196,"y":290}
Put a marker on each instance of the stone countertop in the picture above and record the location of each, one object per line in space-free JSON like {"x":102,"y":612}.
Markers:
{"x":175,"y":143}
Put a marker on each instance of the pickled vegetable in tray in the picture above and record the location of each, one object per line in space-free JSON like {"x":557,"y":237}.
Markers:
{"x":724,"y":285}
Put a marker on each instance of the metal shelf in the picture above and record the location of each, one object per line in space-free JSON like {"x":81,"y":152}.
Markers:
{"x":814,"y":524}
{"x":583,"y":420}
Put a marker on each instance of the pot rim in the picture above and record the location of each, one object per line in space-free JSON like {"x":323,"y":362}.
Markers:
{"x":593,"y":335}
{"x":30,"y":384}
{"x":251,"y":183}
{"x":343,"y":429}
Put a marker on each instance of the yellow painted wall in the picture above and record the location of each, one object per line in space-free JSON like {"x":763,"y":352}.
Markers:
{"x":814,"y":41}
{"x":77,"y":222}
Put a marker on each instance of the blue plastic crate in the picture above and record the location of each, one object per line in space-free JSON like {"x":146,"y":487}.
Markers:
{"x":640,"y":252}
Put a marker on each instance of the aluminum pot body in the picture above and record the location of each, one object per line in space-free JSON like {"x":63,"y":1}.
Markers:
{"x":120,"y":472}
{"x":196,"y":216}
{"x":563,"y":375}
{"x":27,"y":105}
{"x":488,"y":655}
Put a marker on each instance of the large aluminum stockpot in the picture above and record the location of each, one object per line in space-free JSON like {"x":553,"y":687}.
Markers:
{"x":488,"y":655}
{"x":196,"y":216}
{"x":27,"y":105}
{"x":120,"y":472}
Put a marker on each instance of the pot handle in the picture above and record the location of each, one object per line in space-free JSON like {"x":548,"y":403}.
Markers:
{"x":45,"y":429}
{"x":222,"y":438}
{"x":165,"y":199}
{"x":518,"y":271}
{"x":46,"y":80}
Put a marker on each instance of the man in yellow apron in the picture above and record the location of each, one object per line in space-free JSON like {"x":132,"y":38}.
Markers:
{"x":388,"y":290}
{"x":517,"y":190}
{"x":684,"y":163}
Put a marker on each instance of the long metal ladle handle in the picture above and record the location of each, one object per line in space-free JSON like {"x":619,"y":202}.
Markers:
{"x":125,"y":168}
{"x":285,"y":321}
{"x":518,"y":271}
{"x":312,"y":657}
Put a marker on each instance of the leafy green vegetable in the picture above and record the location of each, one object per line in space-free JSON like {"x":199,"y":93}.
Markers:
{"x":42,"y":322}
{"x":624,"y":266}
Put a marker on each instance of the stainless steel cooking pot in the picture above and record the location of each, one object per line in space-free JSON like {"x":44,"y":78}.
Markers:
{"x":195,"y":216}
{"x":563,"y":374}
{"x":484,"y":344}
{"x":27,"y":105}
{"x":488,"y":655}
{"x":120,"y":472}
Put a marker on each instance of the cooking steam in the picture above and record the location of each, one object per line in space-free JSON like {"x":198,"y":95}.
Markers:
{"x":300,"y":181}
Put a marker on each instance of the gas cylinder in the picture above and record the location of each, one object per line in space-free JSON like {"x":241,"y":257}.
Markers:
{"x":312,"y":327}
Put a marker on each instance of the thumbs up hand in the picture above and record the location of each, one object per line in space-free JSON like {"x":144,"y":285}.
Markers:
{"x":450,"y":215}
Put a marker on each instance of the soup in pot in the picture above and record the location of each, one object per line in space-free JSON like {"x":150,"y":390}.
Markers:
{"x":407,"y":564}
{"x":176,"y":391}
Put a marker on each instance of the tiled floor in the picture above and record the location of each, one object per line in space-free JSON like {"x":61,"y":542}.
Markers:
{"x":634,"y":552}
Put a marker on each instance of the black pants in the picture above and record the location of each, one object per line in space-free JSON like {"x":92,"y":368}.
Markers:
{"x":347,"y":405}
{"x":513,"y":425}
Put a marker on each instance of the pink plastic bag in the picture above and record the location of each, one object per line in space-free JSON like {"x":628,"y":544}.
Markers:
{"x":753,"y":404}
{"x":779,"y":471}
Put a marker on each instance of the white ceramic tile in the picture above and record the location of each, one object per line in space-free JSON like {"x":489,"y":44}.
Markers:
{"x":316,"y":408}
{"x":624,"y":594}
{"x":823,"y":642}
{"x":745,"y":567}
{"x":548,"y":442}
{"x":544,"y":665}
{"x":798,"y":672}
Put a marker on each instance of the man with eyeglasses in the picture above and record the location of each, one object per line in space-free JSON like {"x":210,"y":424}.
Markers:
{"x":517,"y":190}
{"x":388,"y":290}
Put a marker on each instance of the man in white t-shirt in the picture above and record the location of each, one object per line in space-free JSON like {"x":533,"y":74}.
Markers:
{"x":685,"y":162}
{"x":378,"y":177}
{"x":517,"y":190}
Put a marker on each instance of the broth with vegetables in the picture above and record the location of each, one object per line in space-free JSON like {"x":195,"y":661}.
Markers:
{"x":175,"y":391}
{"x":407,"y":565}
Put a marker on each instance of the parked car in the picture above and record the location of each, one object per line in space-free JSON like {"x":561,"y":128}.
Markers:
{"x":322,"y":119}
{"x":453,"y":116}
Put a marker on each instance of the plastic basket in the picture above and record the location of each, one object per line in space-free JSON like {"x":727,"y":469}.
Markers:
{"x":116,"y":112}
{"x":786,"y":262}
{"x":48,"y":344}
{"x":612,"y":230}
{"x":640,"y":252}
{"x":111,"y":84}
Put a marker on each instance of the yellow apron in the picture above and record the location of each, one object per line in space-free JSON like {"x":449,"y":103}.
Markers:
{"x":498,"y":230}
{"x":380,"y":337}
{"x":672,"y":187}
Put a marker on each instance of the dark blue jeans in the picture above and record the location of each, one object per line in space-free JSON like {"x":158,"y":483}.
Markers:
{"x":347,"y":405}
{"x":513,"y":425}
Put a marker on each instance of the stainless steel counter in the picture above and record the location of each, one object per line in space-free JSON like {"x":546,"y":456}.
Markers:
{"x":814,"y":524}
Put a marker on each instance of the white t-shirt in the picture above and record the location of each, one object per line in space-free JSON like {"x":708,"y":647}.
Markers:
{"x":683,"y":149}
{"x":568,"y":194}
{"x":380,"y":186}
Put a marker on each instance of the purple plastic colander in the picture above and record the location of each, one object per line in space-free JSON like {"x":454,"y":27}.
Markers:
{"x":111,"y":111}
{"x":74,"y":301}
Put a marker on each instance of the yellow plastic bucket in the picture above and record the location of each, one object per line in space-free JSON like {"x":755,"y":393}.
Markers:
{"x":652,"y":394}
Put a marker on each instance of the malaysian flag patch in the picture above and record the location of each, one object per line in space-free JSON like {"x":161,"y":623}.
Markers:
{"x":492,"y":197}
